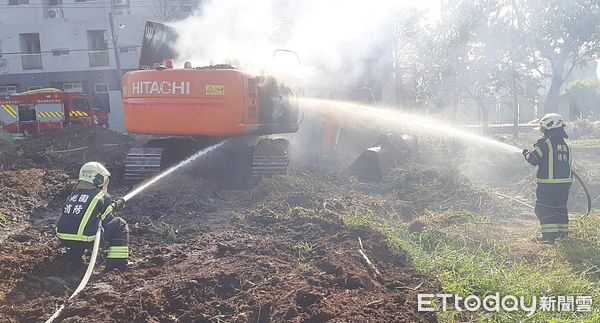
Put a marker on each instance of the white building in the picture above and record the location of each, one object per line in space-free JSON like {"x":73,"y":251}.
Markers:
{"x":67,"y":44}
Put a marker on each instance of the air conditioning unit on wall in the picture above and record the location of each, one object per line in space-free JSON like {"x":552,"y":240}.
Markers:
{"x":55,"y":13}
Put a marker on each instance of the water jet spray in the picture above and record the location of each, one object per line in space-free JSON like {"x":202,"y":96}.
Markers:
{"x":134,"y":192}
{"x":418,"y":124}
{"x":167,"y":172}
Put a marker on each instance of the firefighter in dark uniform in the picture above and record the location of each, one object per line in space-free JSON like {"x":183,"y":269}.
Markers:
{"x":552,"y":156}
{"x":86,"y":206}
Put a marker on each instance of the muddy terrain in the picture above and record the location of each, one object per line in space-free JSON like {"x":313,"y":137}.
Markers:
{"x":285,"y":249}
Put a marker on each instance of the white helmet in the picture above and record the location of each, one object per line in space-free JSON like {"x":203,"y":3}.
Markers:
{"x":551,"y":121}
{"x":94,"y":173}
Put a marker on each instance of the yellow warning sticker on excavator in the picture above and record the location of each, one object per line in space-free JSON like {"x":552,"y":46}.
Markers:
{"x":215,"y":90}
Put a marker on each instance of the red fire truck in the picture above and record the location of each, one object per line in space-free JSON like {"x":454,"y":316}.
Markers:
{"x":39,"y":111}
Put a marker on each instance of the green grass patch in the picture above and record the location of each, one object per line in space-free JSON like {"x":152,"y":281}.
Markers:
{"x":585,"y":143}
{"x":4,"y":220}
{"x":358,"y":217}
{"x":466,"y":267}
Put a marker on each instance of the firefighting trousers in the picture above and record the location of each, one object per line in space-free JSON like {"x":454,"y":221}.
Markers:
{"x":115,"y":236}
{"x":551,"y":208}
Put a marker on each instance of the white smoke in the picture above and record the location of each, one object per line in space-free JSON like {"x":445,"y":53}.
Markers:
{"x":332,"y":37}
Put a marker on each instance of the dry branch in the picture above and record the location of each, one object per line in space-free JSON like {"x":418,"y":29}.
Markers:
{"x":366,"y":259}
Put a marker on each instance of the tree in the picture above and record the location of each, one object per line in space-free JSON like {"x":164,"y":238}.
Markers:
{"x":584,"y":97}
{"x":461,"y":62}
{"x":564,"y":33}
{"x":171,"y":10}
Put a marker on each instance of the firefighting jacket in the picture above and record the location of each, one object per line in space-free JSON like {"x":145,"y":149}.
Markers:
{"x":552,"y":155}
{"x":81,"y":214}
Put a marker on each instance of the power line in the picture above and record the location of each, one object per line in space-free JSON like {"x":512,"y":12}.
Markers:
{"x":90,"y":7}
{"x":103,"y":5}
{"x":70,"y":50}
{"x":111,"y":2}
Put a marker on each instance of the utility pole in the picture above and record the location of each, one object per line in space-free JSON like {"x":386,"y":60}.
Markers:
{"x":116,"y":50}
{"x":515,"y":98}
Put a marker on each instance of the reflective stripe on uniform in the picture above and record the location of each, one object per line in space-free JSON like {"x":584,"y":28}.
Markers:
{"x":570,"y":163}
{"x":550,"y":159}
{"x":10,"y":110}
{"x":80,"y":236}
{"x":551,"y":179}
{"x":88,"y":213}
{"x":118,"y":252}
{"x":555,"y":181}
{"x":75,"y":237}
{"x":563,"y":227}
{"x":549,"y":228}
{"x":108,"y":211}
{"x":539,"y":151}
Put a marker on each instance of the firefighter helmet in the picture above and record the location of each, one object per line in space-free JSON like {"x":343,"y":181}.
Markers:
{"x":551,"y":121}
{"x":94,"y":173}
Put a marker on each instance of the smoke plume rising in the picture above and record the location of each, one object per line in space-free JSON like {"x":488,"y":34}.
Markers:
{"x":336,"y":40}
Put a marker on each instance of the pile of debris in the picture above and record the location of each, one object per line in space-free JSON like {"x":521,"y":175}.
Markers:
{"x":22,"y":192}
{"x":583,"y":129}
{"x":65,"y":148}
{"x":440,"y":190}
{"x":298,"y":266}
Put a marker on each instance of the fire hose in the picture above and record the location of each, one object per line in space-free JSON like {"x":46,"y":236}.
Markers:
{"x":578,"y":178}
{"x":137,"y":190}
{"x":86,"y":277}
{"x":587,"y":193}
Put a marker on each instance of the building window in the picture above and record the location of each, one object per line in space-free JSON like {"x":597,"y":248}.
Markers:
{"x":130,"y":49}
{"x":122,"y":12}
{"x":31,"y":59}
{"x":98,"y":48}
{"x":8,"y":89}
{"x":17,"y":2}
{"x":54,"y":2}
{"x":81,"y":103}
{"x":30,"y":43}
{"x":121,"y":2}
{"x":101,"y":88}
{"x":73,"y":87}
{"x":60,"y":52}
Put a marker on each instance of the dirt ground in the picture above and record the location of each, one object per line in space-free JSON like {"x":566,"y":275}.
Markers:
{"x":277,"y":251}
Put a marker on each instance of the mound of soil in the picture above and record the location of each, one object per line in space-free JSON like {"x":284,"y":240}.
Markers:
{"x":104,"y":145}
{"x":427,"y":188}
{"x":299,"y":268}
{"x":27,"y":271}
{"x":24,"y":191}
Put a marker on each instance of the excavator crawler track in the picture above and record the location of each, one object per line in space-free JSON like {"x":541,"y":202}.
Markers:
{"x":142,"y":163}
{"x":270,"y":158}
{"x":265,"y":166}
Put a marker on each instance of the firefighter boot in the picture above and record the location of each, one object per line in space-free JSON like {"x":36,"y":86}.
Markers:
{"x":562,"y":235}
{"x":547,"y":237}
{"x":116,"y":264}
{"x":74,"y":255}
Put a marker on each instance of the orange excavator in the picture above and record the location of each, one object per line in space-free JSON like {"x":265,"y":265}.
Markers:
{"x":188,"y":109}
